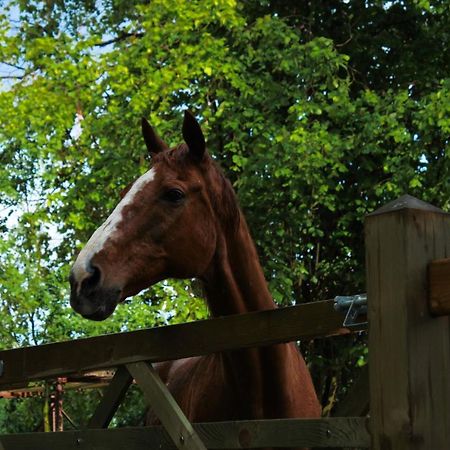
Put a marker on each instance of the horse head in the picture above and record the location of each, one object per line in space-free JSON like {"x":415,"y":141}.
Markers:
{"x":165,"y":226}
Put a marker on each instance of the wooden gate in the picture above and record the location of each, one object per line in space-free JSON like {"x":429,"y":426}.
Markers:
{"x":409,"y":342}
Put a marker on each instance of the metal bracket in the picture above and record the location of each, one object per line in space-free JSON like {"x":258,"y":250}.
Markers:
{"x":353,"y":306}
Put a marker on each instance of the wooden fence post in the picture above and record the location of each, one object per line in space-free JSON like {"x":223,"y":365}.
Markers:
{"x":409,"y":349}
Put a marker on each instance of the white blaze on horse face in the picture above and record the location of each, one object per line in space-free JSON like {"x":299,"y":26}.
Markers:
{"x":81,"y":268}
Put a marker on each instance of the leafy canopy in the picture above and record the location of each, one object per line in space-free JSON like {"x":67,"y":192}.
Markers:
{"x":318,"y":112}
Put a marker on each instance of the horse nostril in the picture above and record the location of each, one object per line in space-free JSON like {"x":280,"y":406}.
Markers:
{"x":92,"y":281}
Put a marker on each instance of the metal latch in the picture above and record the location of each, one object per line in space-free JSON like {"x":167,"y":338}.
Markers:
{"x":353,"y":306}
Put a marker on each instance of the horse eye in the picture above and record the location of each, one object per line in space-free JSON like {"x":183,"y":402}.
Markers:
{"x":173,"y":195}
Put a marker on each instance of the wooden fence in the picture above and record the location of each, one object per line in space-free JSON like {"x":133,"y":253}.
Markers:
{"x":409,"y":369}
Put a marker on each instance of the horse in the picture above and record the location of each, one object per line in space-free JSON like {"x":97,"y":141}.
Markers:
{"x":181,"y":219}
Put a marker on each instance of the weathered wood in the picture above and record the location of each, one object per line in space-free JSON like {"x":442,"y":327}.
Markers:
{"x":409,"y":349}
{"x":439,"y":287}
{"x":112,"y":397}
{"x":165,"y":407}
{"x":319,"y":433}
{"x":170,"y":342}
{"x":356,"y":402}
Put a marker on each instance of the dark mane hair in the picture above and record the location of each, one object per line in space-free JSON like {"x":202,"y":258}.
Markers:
{"x":220,"y":190}
{"x":224,"y":198}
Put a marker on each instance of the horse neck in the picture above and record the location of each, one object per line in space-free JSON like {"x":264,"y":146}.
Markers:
{"x":273,"y":381}
{"x":235,"y":281}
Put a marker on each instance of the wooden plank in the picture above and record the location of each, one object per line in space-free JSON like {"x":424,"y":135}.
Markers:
{"x":297,"y":433}
{"x":291,"y":433}
{"x":165,"y":407}
{"x":356,"y":402}
{"x":439,"y":287}
{"x":170,"y":342}
{"x":112,"y":397}
{"x":409,"y":348}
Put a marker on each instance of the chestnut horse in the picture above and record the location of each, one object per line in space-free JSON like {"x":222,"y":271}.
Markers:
{"x":181,"y":220}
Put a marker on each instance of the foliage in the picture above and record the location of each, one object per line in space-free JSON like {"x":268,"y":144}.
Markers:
{"x":319,"y":112}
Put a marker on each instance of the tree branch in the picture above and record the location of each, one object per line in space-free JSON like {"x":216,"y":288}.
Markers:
{"x":120,"y":38}
{"x":12,"y":77}
{"x":12,"y":65}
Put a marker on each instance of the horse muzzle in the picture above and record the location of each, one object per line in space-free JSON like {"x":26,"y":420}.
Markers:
{"x":92,"y":300}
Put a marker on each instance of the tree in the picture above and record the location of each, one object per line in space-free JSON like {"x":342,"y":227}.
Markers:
{"x":319,"y":112}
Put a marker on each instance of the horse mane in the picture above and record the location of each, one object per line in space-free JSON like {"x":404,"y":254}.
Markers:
{"x":221,"y":192}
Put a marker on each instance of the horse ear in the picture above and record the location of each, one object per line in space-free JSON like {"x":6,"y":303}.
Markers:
{"x":153,"y":142}
{"x":193,"y":136}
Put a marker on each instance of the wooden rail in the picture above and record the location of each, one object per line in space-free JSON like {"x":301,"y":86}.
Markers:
{"x":171,"y":342}
{"x":292,"y":433}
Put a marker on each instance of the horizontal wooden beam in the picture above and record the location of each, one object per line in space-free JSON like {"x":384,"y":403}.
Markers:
{"x":319,"y":433}
{"x":439,"y":287}
{"x":260,"y":328}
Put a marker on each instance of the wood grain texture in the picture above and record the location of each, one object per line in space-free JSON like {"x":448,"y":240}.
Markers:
{"x":165,"y":407}
{"x":112,"y":397}
{"x":171,"y":342}
{"x":439,"y":287}
{"x":409,"y":348}
{"x":318,"y":433}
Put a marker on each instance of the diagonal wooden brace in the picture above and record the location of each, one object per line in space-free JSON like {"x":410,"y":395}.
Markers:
{"x":112,"y":398}
{"x":165,"y":407}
